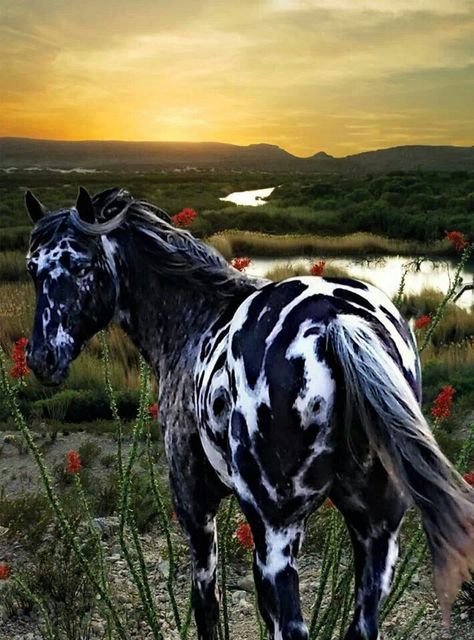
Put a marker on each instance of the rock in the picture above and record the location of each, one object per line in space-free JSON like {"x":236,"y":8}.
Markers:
{"x":97,"y":628}
{"x":164,"y":567}
{"x":237,"y":596}
{"x":115,"y":557}
{"x":246,"y":583}
{"x":107,"y":526}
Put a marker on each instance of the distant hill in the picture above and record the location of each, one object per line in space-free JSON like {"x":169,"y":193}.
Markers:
{"x":98,"y":154}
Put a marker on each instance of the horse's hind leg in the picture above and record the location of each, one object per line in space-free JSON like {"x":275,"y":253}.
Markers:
{"x":197,"y":493}
{"x":276,"y":575}
{"x":276,"y":501}
{"x":373,"y":509}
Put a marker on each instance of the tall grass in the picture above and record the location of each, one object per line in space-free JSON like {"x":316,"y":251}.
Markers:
{"x":12,"y":266}
{"x":17,"y":303}
{"x":293,"y":271}
{"x":456,"y":325}
{"x":235,"y":242}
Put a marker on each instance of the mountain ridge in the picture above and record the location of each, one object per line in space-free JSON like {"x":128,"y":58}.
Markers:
{"x":100,"y":154}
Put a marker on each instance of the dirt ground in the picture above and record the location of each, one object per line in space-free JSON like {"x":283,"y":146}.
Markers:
{"x":18,"y":475}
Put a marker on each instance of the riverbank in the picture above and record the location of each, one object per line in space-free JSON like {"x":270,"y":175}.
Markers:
{"x":235,"y":242}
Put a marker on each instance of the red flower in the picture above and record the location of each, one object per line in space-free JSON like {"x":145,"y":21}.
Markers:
{"x":329,"y":503}
{"x":174,"y":517}
{"x":74,"y":464}
{"x":19,"y":369}
{"x":317,"y":268}
{"x":457,"y":239}
{"x":244,"y":535}
{"x":422,"y":322}
{"x":5,"y":571}
{"x":469,"y":478}
{"x":443,"y":402}
{"x":240,"y":263}
{"x":184,"y":218}
{"x":153,"y":411}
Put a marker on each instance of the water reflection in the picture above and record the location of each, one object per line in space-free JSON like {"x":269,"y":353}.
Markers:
{"x":385,"y":272}
{"x":253,"y":198}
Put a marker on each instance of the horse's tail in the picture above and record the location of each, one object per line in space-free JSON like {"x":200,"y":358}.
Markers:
{"x":378,"y":395}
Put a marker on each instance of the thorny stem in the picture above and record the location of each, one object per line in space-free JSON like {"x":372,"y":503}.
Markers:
{"x":112,"y":402}
{"x":139,"y":573}
{"x":223,"y":553}
{"x":50,"y":633}
{"x":62,"y":520}
{"x":160,"y":507}
{"x":447,"y":298}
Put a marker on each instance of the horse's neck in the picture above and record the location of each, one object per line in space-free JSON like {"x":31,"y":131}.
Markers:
{"x":166,"y":322}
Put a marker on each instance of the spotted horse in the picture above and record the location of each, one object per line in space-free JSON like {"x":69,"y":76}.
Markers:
{"x":284,"y":393}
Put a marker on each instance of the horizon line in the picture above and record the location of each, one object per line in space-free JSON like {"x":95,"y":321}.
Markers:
{"x":198,"y":142}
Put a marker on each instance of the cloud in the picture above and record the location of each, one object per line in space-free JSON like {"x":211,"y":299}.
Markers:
{"x":316,"y":74}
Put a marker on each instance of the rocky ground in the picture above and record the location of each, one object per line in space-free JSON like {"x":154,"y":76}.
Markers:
{"x":16,"y":475}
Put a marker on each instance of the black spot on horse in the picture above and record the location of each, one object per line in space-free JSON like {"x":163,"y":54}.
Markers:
{"x":264,"y":418}
{"x":355,"y":298}
{"x":220,"y":404}
{"x":348,"y":282}
{"x":250,"y":340}
{"x":65,"y":260}
{"x":400,"y":327}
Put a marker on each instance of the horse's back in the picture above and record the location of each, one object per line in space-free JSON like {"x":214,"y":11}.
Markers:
{"x":284,"y":376}
{"x":279,"y":334}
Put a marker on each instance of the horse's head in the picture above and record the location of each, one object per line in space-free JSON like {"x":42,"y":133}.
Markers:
{"x":76,"y":291}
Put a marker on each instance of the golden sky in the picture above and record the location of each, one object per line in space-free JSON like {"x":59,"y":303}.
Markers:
{"x":308,"y":75}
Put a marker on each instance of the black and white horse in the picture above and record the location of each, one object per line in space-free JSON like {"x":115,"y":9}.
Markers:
{"x":284,"y":393}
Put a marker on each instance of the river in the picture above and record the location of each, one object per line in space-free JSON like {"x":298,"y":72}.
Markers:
{"x":385,"y":272}
{"x":255,"y":198}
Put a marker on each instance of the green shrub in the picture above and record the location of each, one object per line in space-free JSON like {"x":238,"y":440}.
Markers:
{"x":26,"y":517}
{"x":15,"y":238}
{"x":89,"y":452}
{"x":86,"y":406}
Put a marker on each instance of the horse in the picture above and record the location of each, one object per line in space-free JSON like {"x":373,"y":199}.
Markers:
{"x":283,"y":393}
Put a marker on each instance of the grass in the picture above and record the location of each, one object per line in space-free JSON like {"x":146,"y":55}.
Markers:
{"x":12,"y":266}
{"x":237,"y":243}
{"x":293,"y":271}
{"x":17,"y":303}
{"x":457,"y":324}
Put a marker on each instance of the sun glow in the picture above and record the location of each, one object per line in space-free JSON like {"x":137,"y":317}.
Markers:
{"x":306,"y":75}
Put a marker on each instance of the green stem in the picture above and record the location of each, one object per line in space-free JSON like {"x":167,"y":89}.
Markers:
{"x":223,"y":554}
{"x":447,"y":298}
{"x":64,"y":525}
{"x":405,"y":633}
{"x":138,"y":571}
{"x":112,"y":402}
{"x":160,"y":507}
{"x":50,"y":633}
{"x":326,"y":565}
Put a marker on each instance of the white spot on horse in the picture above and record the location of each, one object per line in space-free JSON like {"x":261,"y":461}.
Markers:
{"x":62,"y":338}
{"x":390,"y":561}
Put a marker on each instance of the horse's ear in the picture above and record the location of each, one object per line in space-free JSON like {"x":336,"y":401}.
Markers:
{"x":84,"y":206}
{"x":35,"y":209}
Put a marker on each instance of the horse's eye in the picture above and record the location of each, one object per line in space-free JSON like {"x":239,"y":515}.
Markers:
{"x":31,"y":267}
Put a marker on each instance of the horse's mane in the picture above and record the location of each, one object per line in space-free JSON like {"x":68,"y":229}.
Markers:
{"x":170,"y":251}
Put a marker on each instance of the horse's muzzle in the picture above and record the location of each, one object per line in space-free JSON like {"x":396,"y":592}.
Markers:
{"x":47,"y":364}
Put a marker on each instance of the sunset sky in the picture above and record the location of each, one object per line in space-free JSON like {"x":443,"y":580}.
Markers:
{"x":308,"y":75}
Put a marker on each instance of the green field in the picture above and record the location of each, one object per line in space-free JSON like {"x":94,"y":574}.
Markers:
{"x":404,"y":214}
